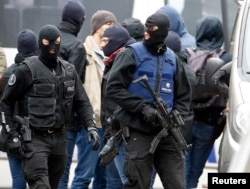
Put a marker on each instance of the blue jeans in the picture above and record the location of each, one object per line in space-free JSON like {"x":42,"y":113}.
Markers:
{"x":113,"y":177}
{"x":153,"y":178}
{"x":119,"y":161}
{"x":88,"y":164}
{"x":71,"y":141}
{"x":202,"y":143}
{"x":18,"y":181}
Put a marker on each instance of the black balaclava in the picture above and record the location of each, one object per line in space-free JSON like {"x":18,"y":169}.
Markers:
{"x":26,"y":42}
{"x":173,"y":41}
{"x":50,"y":33}
{"x":27,"y":45}
{"x":155,"y":44}
{"x":118,"y":36}
{"x":74,"y":13}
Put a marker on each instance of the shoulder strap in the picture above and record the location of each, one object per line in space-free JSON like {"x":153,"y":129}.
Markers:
{"x":28,"y":61}
{"x":139,"y":51}
{"x":69,"y":68}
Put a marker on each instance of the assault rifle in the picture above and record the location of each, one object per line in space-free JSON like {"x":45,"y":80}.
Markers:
{"x":170,"y":123}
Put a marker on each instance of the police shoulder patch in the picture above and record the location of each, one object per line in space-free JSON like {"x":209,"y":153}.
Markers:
{"x":12,"y":79}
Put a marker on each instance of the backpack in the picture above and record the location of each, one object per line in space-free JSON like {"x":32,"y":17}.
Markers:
{"x":197,"y":61}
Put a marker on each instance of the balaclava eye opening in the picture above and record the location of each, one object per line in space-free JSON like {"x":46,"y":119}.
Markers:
{"x":50,"y":33}
{"x":157,"y":36}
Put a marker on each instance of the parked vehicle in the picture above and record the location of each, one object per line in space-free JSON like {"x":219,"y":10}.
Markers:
{"x":241,"y":161}
{"x":238,"y":117}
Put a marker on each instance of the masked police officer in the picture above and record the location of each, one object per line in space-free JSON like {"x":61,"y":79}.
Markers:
{"x":168,"y":79}
{"x":46,"y":88}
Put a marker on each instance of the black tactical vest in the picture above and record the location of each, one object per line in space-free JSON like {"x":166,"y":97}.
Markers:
{"x":49,"y":101}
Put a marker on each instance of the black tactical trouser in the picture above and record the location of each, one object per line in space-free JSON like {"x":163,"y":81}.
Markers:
{"x":45,"y":159}
{"x":139,"y":162}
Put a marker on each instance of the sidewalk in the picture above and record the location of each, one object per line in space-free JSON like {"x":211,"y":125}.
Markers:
{"x":5,"y":178}
{"x":210,"y":168}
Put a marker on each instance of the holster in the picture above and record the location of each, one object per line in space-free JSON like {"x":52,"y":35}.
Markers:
{"x":110,"y":150}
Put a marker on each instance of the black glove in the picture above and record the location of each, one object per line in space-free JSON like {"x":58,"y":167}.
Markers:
{"x":14,"y":145}
{"x":149,"y":113}
{"x":93,"y":137}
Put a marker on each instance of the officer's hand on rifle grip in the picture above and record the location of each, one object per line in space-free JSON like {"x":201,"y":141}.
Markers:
{"x":149,"y":113}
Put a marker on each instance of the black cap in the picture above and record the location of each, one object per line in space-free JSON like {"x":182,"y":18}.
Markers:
{"x":134,"y":27}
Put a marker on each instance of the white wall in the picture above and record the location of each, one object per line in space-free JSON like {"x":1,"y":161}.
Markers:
{"x":144,"y":8}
